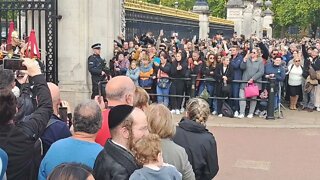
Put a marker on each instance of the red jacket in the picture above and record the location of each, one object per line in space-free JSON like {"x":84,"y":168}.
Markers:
{"x":104,"y":132}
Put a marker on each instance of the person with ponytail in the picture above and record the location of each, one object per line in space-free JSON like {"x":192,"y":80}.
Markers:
{"x":198,"y":142}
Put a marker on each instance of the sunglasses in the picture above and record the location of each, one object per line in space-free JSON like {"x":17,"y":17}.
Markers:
{"x":274,"y":54}
{"x":254,"y":52}
{"x":296,"y":61}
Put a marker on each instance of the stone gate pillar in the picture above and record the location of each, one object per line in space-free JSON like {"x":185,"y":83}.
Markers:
{"x":83,"y":23}
{"x":235,"y":10}
{"x":201,"y":7}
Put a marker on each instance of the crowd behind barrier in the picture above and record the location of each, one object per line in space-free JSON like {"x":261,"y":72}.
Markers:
{"x":165,"y":68}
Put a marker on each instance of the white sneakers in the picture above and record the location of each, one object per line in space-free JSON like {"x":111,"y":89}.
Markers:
{"x":175,"y":111}
{"x":318,"y":109}
{"x":181,"y":110}
{"x":220,"y":115}
{"x":250,"y":116}
{"x":241,"y":116}
{"x":214,"y":112}
{"x":236,"y":114}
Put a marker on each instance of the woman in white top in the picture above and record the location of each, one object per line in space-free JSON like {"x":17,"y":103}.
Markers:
{"x":295,"y":80}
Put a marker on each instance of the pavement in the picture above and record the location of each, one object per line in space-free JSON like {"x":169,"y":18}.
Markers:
{"x":258,"y":149}
{"x":290,"y":119}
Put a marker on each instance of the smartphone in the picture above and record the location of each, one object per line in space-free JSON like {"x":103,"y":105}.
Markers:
{"x":63,"y":114}
{"x":14,"y":64}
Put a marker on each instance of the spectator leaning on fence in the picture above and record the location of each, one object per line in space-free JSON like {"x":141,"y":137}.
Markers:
{"x":275,"y":70}
{"x":163,"y":81}
{"x":295,"y":80}
{"x":178,"y":70}
{"x":223,"y":76}
{"x":253,"y":70}
{"x":208,"y":70}
{"x":237,"y":59}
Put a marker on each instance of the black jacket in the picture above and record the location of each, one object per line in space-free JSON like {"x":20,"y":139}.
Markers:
{"x":19,"y":140}
{"x":200,"y":146}
{"x":95,"y":66}
{"x":219,"y":81}
{"x":178,"y":73}
{"x":114,"y":163}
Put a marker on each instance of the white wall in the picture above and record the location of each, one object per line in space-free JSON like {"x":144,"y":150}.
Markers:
{"x":83,"y":23}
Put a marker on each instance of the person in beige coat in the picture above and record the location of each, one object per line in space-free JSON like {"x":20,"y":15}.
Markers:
{"x":160,"y":122}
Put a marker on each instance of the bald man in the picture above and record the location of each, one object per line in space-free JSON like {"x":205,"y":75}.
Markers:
{"x":56,"y":128}
{"x":119,"y":91}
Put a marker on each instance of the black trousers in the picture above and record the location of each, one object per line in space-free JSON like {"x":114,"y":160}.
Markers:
{"x":177,"y":88}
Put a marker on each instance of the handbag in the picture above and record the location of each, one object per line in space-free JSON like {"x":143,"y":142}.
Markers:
{"x":164,"y":83}
{"x":205,"y":94}
{"x":226,"y":88}
{"x":318,"y":75}
{"x":226,"y":110}
{"x":312,"y":73}
{"x":251,"y":90}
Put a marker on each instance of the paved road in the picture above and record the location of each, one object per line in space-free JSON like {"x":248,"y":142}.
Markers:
{"x":259,"y":149}
{"x":267,"y":153}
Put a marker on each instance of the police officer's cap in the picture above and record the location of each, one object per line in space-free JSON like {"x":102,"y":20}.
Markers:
{"x":96,"y":46}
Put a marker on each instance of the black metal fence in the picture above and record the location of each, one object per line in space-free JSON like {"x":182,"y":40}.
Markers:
{"x":40,"y":15}
{"x":193,"y":78}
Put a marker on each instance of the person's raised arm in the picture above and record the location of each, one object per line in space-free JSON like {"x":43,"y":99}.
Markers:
{"x":38,"y":120}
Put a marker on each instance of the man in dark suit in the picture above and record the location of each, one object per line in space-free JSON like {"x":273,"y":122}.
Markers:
{"x":96,"y":69}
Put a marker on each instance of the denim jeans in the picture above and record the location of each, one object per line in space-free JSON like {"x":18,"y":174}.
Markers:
{"x":308,"y":98}
{"x":235,"y":94}
{"x":163,"y":99}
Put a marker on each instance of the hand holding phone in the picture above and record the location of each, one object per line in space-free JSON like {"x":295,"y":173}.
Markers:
{"x":14,"y":64}
{"x":161,"y":33}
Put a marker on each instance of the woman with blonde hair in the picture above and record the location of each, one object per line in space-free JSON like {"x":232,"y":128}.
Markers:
{"x":198,"y":142}
{"x":141,"y":98}
{"x":160,"y":122}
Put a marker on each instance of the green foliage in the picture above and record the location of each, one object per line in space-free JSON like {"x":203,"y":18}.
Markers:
{"x":303,"y":13}
{"x":217,"y":7}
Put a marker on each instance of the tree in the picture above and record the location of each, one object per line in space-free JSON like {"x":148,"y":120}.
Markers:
{"x":216,"y":7}
{"x":303,"y":13}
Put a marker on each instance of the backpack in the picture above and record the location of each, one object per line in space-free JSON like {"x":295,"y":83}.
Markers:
{"x":226,"y":110}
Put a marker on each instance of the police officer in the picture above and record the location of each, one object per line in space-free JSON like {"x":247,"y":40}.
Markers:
{"x":95,"y":66}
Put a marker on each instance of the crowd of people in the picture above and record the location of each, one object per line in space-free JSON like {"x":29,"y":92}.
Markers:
{"x":127,"y":138}
{"x":123,"y":140}
{"x":226,"y":67}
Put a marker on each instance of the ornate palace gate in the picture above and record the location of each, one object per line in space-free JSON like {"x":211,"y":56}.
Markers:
{"x":40,"y":15}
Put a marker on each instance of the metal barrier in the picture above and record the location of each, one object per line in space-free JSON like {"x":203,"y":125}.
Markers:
{"x":193,"y":78}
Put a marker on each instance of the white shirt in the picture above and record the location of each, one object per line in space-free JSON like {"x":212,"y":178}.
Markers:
{"x":295,"y":75}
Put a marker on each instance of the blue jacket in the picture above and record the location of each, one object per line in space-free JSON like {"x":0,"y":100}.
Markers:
{"x":279,"y":71}
{"x":235,"y":64}
{"x":134,"y":75}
